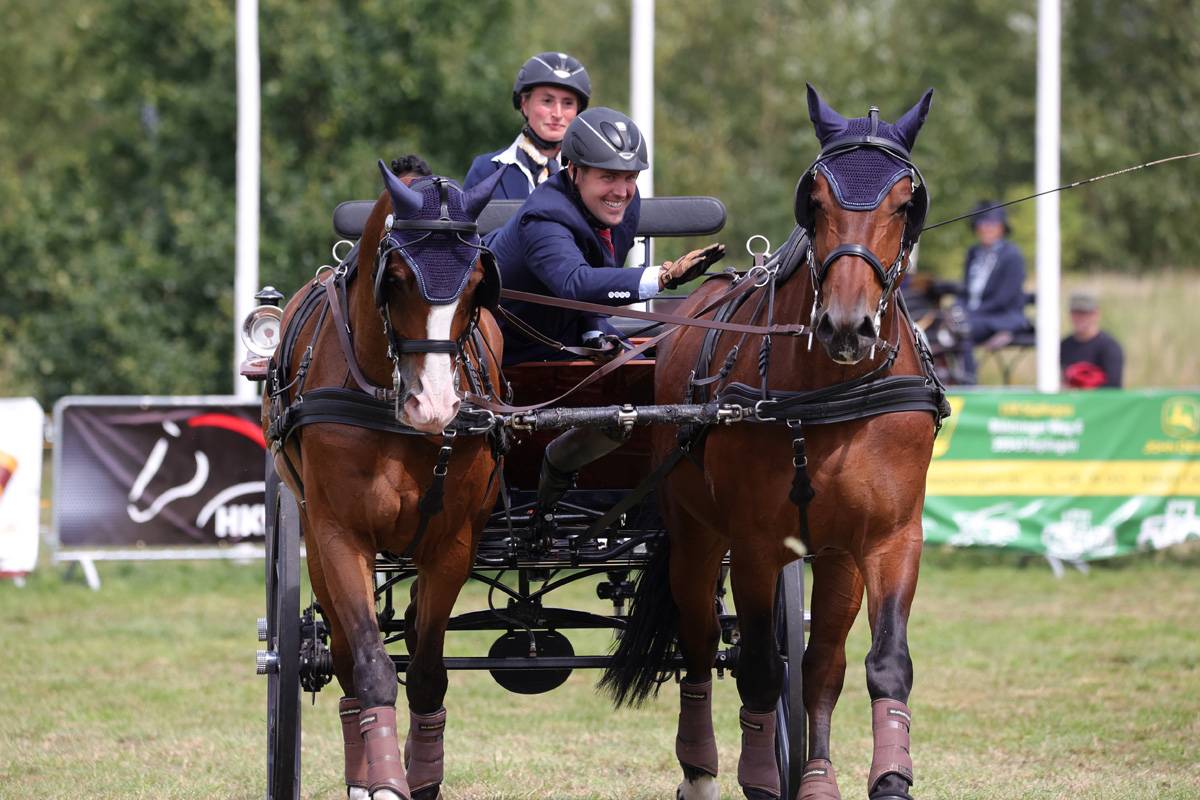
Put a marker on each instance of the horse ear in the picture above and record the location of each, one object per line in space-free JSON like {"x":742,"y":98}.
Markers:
{"x":406,"y":202}
{"x":909,"y":125}
{"x":477,"y":197}
{"x":828,"y":123}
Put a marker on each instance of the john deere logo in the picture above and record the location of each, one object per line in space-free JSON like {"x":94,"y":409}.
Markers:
{"x":1181,"y":417}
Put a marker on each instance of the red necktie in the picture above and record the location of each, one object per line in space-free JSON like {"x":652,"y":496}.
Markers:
{"x":606,"y":239}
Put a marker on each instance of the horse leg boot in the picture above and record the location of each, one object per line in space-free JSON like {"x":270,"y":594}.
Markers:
{"x":758,"y":774}
{"x":890,"y":724}
{"x":424,"y":753}
{"x":384,"y":770}
{"x":352,"y":743}
{"x":565,"y":456}
{"x":695,"y":743}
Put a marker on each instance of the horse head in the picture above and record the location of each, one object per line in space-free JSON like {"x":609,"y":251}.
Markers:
{"x":862,"y":203}
{"x":431,"y":278}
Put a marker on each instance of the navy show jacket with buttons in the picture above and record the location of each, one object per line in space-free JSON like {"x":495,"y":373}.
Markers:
{"x":548,"y":247}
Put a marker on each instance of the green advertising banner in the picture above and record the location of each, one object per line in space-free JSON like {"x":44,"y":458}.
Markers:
{"x":1079,"y":475}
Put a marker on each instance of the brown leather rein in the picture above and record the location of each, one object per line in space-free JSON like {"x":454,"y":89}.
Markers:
{"x":740,"y":286}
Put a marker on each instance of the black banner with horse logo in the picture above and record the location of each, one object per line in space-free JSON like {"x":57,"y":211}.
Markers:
{"x":158,"y":471}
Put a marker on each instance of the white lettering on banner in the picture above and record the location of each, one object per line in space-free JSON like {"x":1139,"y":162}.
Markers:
{"x":240,"y":521}
{"x":1057,"y":436}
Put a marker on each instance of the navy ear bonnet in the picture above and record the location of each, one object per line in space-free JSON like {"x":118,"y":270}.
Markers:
{"x":862,"y":159}
{"x":440,"y":243}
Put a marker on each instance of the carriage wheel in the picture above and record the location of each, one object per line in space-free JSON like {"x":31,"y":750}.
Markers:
{"x":282,"y":657}
{"x":791,"y":731}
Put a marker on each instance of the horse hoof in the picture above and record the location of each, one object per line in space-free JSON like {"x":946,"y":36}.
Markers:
{"x":703,"y":787}
{"x":427,"y":792}
{"x":357,"y":793}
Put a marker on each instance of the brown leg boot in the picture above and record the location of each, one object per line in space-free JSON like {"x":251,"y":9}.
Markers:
{"x":424,"y":753}
{"x":695,"y":743}
{"x":818,"y":781}
{"x":384,"y":770}
{"x":758,"y":774}
{"x":352,"y":743}
{"x":890,"y":724}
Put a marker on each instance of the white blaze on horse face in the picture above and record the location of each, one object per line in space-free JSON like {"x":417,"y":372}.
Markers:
{"x":434,"y":402}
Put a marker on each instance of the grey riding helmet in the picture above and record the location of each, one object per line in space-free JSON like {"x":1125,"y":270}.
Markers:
{"x":553,"y":69}
{"x":605,"y":139}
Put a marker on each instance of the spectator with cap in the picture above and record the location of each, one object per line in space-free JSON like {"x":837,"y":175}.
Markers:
{"x":993,"y":293}
{"x":550,"y":89}
{"x":1089,"y":357}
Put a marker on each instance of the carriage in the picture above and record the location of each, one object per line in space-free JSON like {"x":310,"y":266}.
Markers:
{"x":760,"y":445}
{"x":532,"y":651}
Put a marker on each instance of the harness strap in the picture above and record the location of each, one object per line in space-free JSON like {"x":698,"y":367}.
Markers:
{"x":335,"y":300}
{"x":431,"y":502}
{"x":504,"y":408}
{"x":654,"y":316}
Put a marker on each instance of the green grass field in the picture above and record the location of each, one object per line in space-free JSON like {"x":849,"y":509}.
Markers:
{"x":1026,"y":687}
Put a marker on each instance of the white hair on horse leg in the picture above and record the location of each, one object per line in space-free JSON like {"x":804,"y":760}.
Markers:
{"x":704,"y":787}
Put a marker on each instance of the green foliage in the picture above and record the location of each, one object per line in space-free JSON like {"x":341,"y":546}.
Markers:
{"x":119,"y":137}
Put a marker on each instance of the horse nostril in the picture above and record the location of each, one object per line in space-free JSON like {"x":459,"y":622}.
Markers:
{"x":866,"y":328}
{"x":824,"y":327}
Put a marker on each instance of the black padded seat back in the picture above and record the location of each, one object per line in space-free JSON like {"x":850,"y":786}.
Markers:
{"x":661,"y":216}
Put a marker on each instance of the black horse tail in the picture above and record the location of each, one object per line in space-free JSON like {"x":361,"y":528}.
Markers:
{"x":638,"y":660}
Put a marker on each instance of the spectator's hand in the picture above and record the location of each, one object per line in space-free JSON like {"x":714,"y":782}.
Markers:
{"x":691,"y":266}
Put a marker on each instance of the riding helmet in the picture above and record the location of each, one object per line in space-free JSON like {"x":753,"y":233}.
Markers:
{"x":605,"y":139}
{"x":553,"y":69}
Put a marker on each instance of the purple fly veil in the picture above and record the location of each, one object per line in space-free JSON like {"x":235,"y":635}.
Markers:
{"x":862,"y":177}
{"x":442,"y":261}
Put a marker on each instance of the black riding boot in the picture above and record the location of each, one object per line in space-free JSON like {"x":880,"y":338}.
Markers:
{"x":564,"y":457}
{"x":553,"y":483}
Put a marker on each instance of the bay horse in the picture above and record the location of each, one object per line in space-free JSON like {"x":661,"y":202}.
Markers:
{"x":846,"y":476}
{"x":374,"y":358}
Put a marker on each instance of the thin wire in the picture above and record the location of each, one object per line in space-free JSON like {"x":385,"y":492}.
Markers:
{"x":1061,"y":188}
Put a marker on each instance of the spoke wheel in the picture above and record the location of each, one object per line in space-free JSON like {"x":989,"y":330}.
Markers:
{"x":283,"y":641}
{"x":791,"y":729}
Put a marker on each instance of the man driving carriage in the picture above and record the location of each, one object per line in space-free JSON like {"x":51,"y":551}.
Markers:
{"x":550,"y":89}
{"x":569,"y":240}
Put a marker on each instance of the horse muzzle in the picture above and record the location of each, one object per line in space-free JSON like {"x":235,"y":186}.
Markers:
{"x":847,"y":337}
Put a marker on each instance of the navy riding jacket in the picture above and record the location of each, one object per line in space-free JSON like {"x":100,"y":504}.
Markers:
{"x":513,"y":185}
{"x":998,"y":278}
{"x":549,"y":247}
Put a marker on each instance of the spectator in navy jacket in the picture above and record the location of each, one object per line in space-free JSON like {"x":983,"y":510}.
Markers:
{"x":550,"y":89}
{"x":569,"y":240}
{"x":993,"y":284}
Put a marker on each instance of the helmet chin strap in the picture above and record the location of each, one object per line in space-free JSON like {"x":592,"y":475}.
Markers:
{"x":539,"y":142}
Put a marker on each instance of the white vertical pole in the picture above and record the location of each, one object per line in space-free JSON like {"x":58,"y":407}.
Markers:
{"x":1048,"y":247}
{"x":641,"y":85}
{"x":246,"y":252}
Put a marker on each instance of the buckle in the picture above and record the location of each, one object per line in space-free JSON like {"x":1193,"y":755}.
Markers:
{"x":758,"y":413}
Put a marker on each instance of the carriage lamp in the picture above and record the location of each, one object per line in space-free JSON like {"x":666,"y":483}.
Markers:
{"x":260,"y":330}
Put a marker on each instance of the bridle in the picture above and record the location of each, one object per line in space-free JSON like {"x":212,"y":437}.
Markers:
{"x":467,"y":234}
{"x":889,"y":277}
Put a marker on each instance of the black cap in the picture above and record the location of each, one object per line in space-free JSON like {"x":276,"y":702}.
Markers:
{"x":553,"y":69}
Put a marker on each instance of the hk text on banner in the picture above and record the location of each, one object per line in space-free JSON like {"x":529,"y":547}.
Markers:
{"x":21,"y":425}
{"x":157,"y":471}
{"x":1079,"y":475}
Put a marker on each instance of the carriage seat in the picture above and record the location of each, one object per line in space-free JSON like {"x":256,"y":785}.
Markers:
{"x":661,"y":216}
